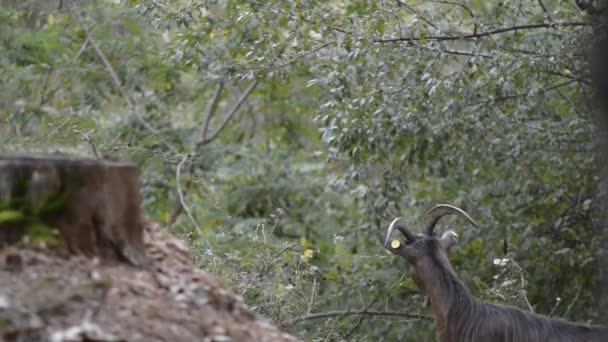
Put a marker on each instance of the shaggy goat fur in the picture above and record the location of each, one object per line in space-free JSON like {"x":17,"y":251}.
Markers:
{"x":461,"y":317}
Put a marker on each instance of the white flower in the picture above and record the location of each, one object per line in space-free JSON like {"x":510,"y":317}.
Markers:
{"x":501,"y":262}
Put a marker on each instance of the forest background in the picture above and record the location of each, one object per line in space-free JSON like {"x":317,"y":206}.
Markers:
{"x":280,"y":137}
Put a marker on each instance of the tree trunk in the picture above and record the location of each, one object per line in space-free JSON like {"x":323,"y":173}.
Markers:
{"x":89,"y":207}
{"x":598,"y":58}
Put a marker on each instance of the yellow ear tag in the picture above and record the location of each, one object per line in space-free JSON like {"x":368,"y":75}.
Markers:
{"x":395,"y":244}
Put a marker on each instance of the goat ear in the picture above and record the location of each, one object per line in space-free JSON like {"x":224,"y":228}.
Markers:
{"x":448,"y":239}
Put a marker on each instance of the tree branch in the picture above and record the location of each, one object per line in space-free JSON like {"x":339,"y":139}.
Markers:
{"x":212,"y":109}
{"x":179,"y":206}
{"x":409,"y":8}
{"x":106,"y":62}
{"x":585,"y":79}
{"x":293,"y":16}
{"x":357,"y":312}
{"x":362,"y":318}
{"x":87,"y":137}
{"x":467,"y":9}
{"x":458,"y":52}
{"x":210,"y":113}
{"x":82,"y":48}
{"x":231,"y":114}
{"x":520,"y":95}
{"x":545,"y":11}
{"x":289,"y":62}
{"x":114,"y":76}
{"x":482,"y":34}
{"x":181,"y":195}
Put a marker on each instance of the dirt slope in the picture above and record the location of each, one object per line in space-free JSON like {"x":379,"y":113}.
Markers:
{"x":50,"y":296}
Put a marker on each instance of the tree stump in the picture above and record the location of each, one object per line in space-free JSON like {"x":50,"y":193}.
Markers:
{"x":88,"y":206}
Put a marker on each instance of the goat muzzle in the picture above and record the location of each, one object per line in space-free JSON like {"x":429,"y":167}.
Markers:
{"x":402,"y":229}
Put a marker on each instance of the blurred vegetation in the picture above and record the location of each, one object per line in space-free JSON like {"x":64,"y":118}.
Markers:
{"x":301,"y":128}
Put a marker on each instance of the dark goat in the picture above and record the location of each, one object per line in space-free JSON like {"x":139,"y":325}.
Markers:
{"x":458,"y":315}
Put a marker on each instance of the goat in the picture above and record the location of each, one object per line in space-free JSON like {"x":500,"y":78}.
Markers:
{"x":458,"y":315}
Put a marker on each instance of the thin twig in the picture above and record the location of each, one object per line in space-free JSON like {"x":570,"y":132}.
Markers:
{"x":459,"y":52}
{"x":181,"y":195}
{"x":312,"y":296}
{"x":362,"y":318}
{"x":467,"y":9}
{"x":584,"y":79}
{"x":286,"y":248}
{"x":105,"y":60}
{"x":545,"y":11}
{"x":294,"y":16}
{"x":289,"y":62}
{"x":205,"y":140}
{"x":578,"y":292}
{"x":252,"y":114}
{"x":230,"y":115}
{"x":114,"y":76}
{"x":557,"y":303}
{"x":46,"y":93}
{"x":212,"y":109}
{"x":521,"y":95}
{"x":409,"y":8}
{"x":177,"y":210}
{"x":482,"y":34}
{"x":82,"y":48}
{"x":523,"y":284}
{"x":87,"y":138}
{"x":357,"y":312}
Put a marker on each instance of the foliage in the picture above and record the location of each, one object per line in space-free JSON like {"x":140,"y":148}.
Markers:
{"x":310,"y":124}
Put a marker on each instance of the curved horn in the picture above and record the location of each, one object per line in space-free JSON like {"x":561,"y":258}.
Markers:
{"x":408,"y":235}
{"x":440,"y":210}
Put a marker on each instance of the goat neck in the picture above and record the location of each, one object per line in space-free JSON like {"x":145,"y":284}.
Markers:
{"x":447,"y":294}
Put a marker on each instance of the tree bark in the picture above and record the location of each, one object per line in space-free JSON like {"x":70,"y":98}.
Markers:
{"x":89,"y":207}
{"x":598,"y":58}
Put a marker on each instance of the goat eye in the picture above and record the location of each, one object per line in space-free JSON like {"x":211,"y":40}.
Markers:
{"x":395,"y":244}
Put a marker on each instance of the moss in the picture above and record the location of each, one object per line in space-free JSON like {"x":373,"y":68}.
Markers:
{"x":8,"y":216}
{"x":53,"y":204}
{"x":38,"y":234}
{"x":23,"y":212}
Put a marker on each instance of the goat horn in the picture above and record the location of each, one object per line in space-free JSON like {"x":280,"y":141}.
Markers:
{"x":408,"y":235}
{"x":440,"y":210}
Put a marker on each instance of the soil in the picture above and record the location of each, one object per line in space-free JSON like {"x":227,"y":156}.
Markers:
{"x":49,"y":295}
